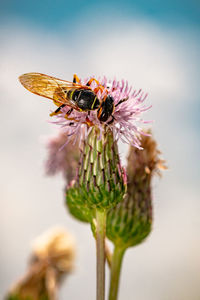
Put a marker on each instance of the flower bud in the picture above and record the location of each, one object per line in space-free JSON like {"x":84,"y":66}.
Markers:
{"x":129,"y":223}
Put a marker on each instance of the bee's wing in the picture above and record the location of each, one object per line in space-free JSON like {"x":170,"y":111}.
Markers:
{"x":49,"y":87}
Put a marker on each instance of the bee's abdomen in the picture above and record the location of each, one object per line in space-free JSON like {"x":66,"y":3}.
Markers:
{"x":84,"y":99}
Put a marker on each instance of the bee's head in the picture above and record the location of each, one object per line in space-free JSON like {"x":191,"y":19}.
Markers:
{"x":106,"y":109}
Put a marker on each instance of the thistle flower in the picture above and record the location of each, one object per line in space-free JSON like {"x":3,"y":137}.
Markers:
{"x":101,"y":114}
{"x":130,"y":221}
{"x":124,"y":120}
{"x":52,"y":257}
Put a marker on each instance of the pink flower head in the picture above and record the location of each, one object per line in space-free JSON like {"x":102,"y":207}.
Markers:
{"x":124,"y":121}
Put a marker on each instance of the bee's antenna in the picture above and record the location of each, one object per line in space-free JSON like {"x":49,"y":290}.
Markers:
{"x":120,"y":101}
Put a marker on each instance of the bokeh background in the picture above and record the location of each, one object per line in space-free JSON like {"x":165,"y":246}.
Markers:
{"x":153,"y":44}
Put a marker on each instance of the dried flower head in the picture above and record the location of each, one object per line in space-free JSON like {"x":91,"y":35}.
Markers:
{"x":57,"y":246}
{"x":145,"y":162}
{"x":52,"y":257}
{"x":128,"y":106}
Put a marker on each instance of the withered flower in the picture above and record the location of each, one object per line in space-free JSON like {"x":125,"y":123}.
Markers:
{"x":52,"y":258}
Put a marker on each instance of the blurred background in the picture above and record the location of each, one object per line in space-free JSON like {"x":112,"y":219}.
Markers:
{"x":153,"y":44}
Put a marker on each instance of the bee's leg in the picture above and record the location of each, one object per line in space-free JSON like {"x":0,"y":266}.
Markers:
{"x":91,"y":80}
{"x":111,"y":121}
{"x":69,"y":112}
{"x":88,"y":122}
{"x":76,"y":79}
{"x":100,"y":88}
{"x":57,"y":111}
{"x":121,"y":101}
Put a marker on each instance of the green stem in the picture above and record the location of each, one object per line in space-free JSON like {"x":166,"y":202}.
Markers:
{"x":115,"y":272}
{"x":100,"y":244}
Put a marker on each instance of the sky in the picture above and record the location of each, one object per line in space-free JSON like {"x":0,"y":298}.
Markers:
{"x":52,"y":14}
{"x":155,"y":46}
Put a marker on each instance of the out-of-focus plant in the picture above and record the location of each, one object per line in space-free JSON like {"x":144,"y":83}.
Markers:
{"x":52,"y":258}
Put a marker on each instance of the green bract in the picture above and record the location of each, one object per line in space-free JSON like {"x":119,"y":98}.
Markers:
{"x":130,"y":222}
{"x":100,"y":182}
{"x":77,"y":207}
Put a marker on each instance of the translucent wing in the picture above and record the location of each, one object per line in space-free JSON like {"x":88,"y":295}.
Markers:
{"x":50,"y":87}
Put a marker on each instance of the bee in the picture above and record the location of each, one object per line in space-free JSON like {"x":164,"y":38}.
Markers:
{"x":73,"y":94}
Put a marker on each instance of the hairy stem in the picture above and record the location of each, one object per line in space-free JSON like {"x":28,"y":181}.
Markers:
{"x":115,"y":272}
{"x":100,"y":244}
